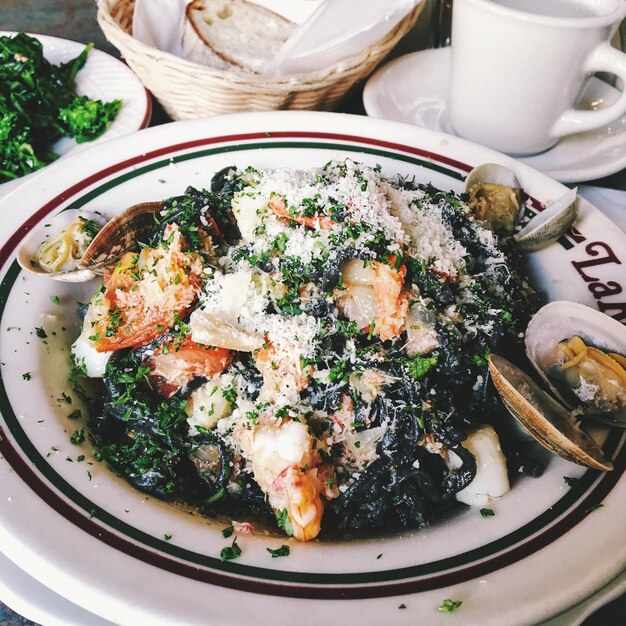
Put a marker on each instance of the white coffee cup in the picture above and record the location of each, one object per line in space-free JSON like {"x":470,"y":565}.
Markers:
{"x":518,"y":67}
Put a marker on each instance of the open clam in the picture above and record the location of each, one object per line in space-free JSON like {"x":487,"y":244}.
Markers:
{"x":119,"y":235}
{"x":75,"y":246}
{"x":548,"y":225}
{"x":543,"y":417}
{"x":55,"y":248}
{"x":580,"y":353}
{"x":496,"y":197}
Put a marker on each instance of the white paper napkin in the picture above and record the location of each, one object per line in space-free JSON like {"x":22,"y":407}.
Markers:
{"x":338,"y":30}
{"x":329,"y":31}
{"x":157,"y":23}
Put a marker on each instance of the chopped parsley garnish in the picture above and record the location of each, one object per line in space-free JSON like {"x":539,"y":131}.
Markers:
{"x":419,"y":366}
{"x":26,"y":376}
{"x":41,"y":333}
{"x":231,"y":552}
{"x":55,"y":300}
{"x":487,"y":512}
{"x":78,"y":436}
{"x":283,"y":521}
{"x":447,"y":606}
{"x":282,"y":551}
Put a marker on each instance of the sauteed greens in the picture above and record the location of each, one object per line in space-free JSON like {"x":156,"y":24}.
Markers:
{"x":39,"y":104}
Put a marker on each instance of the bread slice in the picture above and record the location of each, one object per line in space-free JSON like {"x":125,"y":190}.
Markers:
{"x":233,"y":34}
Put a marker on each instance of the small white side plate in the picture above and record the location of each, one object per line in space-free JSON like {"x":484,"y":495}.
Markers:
{"x":102,"y":78}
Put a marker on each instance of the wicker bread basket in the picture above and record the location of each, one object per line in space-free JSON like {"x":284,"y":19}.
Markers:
{"x":189,"y":90}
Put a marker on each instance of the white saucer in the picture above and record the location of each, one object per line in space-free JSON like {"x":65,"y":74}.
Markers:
{"x":414,"y":89}
{"x":39,"y":604}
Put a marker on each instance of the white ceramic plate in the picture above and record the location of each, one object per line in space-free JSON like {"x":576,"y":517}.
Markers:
{"x":414,"y":89}
{"x":89,"y":537}
{"x":103,"y":78}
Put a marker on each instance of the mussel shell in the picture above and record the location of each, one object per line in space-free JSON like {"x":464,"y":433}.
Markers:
{"x":27,"y":251}
{"x":123,"y":232}
{"x":543,"y":417}
{"x":550,"y":224}
{"x":561,"y":320}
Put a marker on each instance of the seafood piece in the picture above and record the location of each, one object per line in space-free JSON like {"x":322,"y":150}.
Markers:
{"x":548,"y":225}
{"x":421,"y":335}
{"x":597,"y":378}
{"x":286,"y":464}
{"x":54,"y":249}
{"x":277,"y":206}
{"x":579,"y":352}
{"x":145,"y":294}
{"x":283,"y":375}
{"x":373,"y":297}
{"x":84,"y":352}
{"x":544,"y":418}
{"x":119,"y":235}
{"x":212,"y":460}
{"x":214,"y":331}
{"x":207,"y":405}
{"x":175,"y":364}
{"x":495,"y":197}
{"x":491,"y":479}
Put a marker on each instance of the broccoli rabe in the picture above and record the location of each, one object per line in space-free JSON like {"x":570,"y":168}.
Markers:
{"x":85,"y":119}
{"x":39,"y":104}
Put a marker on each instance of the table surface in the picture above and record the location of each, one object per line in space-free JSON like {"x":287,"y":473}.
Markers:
{"x":76,"y":19}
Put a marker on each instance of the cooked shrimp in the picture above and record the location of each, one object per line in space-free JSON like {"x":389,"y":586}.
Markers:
{"x":277,"y":206}
{"x":286,"y":464}
{"x":176,"y":364}
{"x":145,"y":293}
{"x":282,"y":375}
{"x":373,"y":297}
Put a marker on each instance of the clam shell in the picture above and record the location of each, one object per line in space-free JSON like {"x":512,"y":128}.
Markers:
{"x":543,"y":417}
{"x":560,"y":320}
{"x":26,"y":254}
{"x":491,"y":173}
{"x":501,"y":208}
{"x":547,"y":226}
{"x":119,"y":235}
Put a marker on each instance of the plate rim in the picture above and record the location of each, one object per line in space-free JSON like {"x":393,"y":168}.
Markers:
{"x":300,"y":117}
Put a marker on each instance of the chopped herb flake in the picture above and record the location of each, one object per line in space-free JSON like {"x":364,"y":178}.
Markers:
{"x":282,"y":551}
{"x":231,"y":552}
{"x":447,"y":606}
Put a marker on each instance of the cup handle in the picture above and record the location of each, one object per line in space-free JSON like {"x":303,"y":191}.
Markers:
{"x":604,"y":58}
